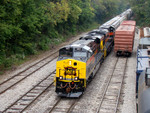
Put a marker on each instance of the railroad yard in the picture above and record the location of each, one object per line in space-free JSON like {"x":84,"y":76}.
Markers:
{"x":30,"y":88}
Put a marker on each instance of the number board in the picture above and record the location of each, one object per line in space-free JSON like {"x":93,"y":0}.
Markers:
{"x":70,"y":71}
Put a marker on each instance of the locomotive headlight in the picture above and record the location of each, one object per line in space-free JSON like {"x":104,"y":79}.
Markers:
{"x":60,"y":77}
{"x":76,"y":78}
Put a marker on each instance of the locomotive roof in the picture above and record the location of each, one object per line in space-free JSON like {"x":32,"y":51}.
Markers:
{"x":98,"y":36}
{"x":84,"y":42}
{"x":80,"y":44}
{"x":98,"y":31}
{"x":92,"y":36}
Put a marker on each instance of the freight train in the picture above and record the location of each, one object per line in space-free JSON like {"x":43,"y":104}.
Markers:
{"x":78,"y":62}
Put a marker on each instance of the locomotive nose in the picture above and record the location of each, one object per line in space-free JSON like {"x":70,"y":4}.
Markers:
{"x":71,"y":63}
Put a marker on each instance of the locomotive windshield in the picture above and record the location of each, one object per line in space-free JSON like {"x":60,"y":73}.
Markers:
{"x":79,"y":52}
{"x":66,"y":52}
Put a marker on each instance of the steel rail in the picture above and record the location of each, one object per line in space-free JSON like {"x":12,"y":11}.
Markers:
{"x":33,"y":97}
{"x":27,"y":68}
{"x":119,"y":93}
{"x":55,"y":105}
{"x":106,"y":87}
{"x":68,"y":109}
{"x":19,"y":74}
{"x":72,"y":105}
{"x":24,"y":77}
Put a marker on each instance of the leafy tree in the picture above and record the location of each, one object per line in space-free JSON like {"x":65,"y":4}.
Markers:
{"x":27,"y":26}
{"x":141,"y":9}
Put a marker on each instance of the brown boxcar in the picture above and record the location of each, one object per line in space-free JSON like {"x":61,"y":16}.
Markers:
{"x":129,"y":22}
{"x":124,"y":38}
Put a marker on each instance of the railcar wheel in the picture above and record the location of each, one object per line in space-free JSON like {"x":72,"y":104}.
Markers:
{"x":127,"y":54}
{"x":118,"y":53}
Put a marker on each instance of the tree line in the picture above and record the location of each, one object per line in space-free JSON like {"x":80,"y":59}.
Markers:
{"x":141,"y":8}
{"x":27,"y":26}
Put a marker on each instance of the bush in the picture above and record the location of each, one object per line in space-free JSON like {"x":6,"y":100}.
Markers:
{"x":44,"y":43}
{"x":7,"y":62}
{"x":30,"y":48}
{"x":20,"y":56}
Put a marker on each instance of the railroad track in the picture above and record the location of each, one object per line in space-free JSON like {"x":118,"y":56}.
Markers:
{"x":112,"y":88}
{"x":28,"y":98}
{"x":9,"y":83}
{"x":63,"y":105}
{"x":17,"y":78}
{"x":4,"y":86}
{"x":67,"y":105}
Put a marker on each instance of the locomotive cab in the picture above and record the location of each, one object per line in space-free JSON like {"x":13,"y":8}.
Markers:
{"x":71,"y":70}
{"x":77,"y":53}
